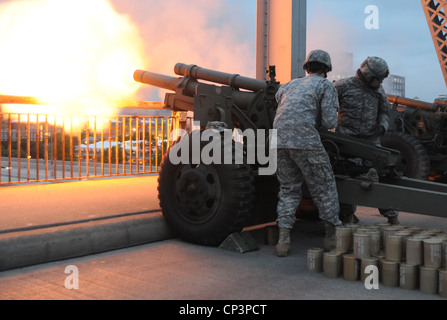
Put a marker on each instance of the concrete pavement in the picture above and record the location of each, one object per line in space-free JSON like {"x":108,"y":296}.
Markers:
{"x":32,"y":205}
{"x":54,"y":221}
{"x":175,"y":270}
{"x":46,"y":228}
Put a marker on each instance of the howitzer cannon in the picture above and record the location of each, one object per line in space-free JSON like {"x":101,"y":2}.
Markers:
{"x":418,"y":130}
{"x":205,"y":201}
{"x":253,"y":108}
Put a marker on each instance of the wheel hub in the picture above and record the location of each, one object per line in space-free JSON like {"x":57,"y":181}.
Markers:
{"x":197,"y":189}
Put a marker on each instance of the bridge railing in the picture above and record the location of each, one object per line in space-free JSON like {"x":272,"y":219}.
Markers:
{"x":43,"y":147}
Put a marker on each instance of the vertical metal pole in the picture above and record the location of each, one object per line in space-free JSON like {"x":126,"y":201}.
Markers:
{"x":87,"y":142}
{"x":109,"y":153}
{"x":102,"y":146}
{"x":150,"y":143}
{"x":262,"y":37}
{"x":137,"y":139}
{"x":123,"y":140}
{"x":94,"y":146}
{"x":28,"y":147}
{"x":80,"y":149}
{"x":1,"y":144}
{"x":46,"y":147}
{"x":71,"y":147}
{"x":63,"y":146}
{"x":116,"y":144}
{"x":156,"y":140}
{"x":281,"y":38}
{"x":299,"y":23}
{"x":130,"y":143}
{"x":54,"y":147}
{"x":144,"y":143}
{"x":19,"y":147}
{"x":38,"y":137}
{"x":9,"y":147}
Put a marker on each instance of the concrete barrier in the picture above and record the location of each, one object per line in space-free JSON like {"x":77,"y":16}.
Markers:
{"x":25,"y":248}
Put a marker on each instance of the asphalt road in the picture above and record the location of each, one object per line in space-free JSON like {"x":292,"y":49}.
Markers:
{"x":176,"y":270}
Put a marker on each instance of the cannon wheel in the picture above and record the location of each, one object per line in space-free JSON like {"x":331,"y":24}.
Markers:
{"x":204,"y":203}
{"x":415,"y":161}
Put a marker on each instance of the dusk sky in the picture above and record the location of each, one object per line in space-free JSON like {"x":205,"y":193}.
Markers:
{"x":403,"y":38}
{"x":221,"y":35}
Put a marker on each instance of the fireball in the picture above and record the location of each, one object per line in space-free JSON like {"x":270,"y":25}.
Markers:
{"x":75,"y":56}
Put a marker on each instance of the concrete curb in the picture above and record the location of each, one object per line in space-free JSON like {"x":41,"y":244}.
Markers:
{"x":25,"y":248}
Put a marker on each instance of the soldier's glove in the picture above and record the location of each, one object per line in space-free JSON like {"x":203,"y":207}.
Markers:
{"x":380,"y":131}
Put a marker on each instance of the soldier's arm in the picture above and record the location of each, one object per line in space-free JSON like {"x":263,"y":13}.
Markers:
{"x":383,"y":116}
{"x":282,"y":89}
{"x":340,"y":87}
{"x":329,"y":107}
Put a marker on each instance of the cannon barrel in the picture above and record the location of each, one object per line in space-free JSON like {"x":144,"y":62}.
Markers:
{"x":232,"y":80}
{"x":165,"y":82}
{"x":188,"y":86}
{"x":438,"y":105}
{"x":159,"y":80}
{"x":155,"y":79}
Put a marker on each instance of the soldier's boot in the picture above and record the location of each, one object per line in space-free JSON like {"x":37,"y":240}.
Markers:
{"x":349,"y":218}
{"x":283,"y":245}
{"x":329,"y":241}
{"x":393,"y":220}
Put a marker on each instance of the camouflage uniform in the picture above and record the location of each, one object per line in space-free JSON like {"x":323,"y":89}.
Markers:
{"x":363,"y":111}
{"x":303,"y":105}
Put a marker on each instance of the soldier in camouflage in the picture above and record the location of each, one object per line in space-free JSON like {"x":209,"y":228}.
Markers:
{"x":304,"y":105}
{"x":364,"y":114}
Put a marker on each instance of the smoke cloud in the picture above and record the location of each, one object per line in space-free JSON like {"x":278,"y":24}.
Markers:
{"x":210,"y":34}
{"x":333,"y":36}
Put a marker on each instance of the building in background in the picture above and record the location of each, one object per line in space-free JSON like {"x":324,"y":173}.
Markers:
{"x":342,"y":66}
{"x":394,"y":85}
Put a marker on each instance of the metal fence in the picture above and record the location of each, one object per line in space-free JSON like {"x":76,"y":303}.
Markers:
{"x":36,"y":148}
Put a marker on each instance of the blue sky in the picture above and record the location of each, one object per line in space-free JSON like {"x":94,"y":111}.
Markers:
{"x":221,"y":34}
{"x":403,"y":38}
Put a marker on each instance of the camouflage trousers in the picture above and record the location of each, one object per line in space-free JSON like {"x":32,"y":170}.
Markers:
{"x":313,"y":167}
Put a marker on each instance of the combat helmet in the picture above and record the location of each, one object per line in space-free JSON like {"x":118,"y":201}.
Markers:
{"x":374,"y":67}
{"x":318,"y":56}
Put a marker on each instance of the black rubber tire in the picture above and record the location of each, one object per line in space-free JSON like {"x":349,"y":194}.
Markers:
{"x":205,"y":203}
{"x":415,"y":161}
